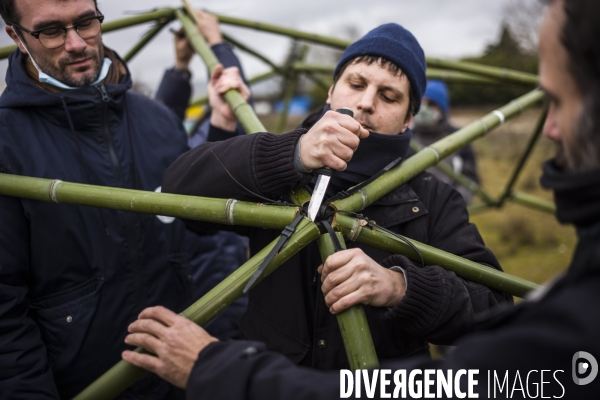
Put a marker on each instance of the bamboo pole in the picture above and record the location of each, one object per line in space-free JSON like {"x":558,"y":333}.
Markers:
{"x":524,"y":157}
{"x":222,"y":211}
{"x":122,"y":375}
{"x":533,"y":202}
{"x":253,"y":52}
{"x":503,"y":74}
{"x":434,"y":153}
{"x":148,"y":36}
{"x":242,"y":110}
{"x":293,"y":33}
{"x":467,"y":182}
{"x":357,"y":342}
{"x":479,"y":208}
{"x":356,"y":230}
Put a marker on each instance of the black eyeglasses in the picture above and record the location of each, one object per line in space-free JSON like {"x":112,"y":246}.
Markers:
{"x":53,"y":38}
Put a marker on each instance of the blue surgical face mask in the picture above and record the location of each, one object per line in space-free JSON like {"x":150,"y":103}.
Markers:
{"x":45,"y":78}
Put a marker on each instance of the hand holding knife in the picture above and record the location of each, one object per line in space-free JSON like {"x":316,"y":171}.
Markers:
{"x":323,"y":180}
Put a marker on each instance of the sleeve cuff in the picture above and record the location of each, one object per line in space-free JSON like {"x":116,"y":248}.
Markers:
{"x":216,"y":134}
{"x":273,"y":162}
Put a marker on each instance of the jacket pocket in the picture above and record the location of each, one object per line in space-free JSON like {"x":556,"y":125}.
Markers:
{"x":64,"y":319}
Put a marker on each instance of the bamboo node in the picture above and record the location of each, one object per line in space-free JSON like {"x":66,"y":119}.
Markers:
{"x":500,"y":115}
{"x":52,"y":190}
{"x":229,"y":211}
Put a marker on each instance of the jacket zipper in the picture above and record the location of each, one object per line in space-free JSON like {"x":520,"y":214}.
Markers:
{"x":129,"y":224}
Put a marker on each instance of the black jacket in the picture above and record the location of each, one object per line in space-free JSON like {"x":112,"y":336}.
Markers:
{"x":287,"y":310}
{"x":72,"y":278}
{"x":542,"y":334}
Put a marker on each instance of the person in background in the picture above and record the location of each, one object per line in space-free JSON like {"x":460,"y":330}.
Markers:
{"x":72,"y":278}
{"x":212,"y":256}
{"x":431,"y":124}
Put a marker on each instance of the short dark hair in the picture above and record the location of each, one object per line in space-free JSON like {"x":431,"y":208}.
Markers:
{"x":579,"y":36}
{"x":395,"y":70}
{"x":8,"y":11}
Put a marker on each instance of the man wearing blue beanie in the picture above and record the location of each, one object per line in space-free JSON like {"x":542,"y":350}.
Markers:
{"x":431,"y":124}
{"x":381,"y":78}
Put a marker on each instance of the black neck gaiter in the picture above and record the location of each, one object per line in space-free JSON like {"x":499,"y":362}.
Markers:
{"x":577,"y":197}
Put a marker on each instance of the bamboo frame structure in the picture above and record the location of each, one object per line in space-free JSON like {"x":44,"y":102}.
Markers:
{"x":230,"y":211}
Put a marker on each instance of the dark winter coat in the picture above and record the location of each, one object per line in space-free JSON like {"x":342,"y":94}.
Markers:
{"x":542,"y":334}
{"x":72,"y":278}
{"x":212,"y":257}
{"x":287,"y":309}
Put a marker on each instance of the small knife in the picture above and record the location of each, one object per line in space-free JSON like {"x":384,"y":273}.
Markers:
{"x":323,"y":180}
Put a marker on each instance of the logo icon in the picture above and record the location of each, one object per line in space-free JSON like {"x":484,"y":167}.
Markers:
{"x":584,"y":364}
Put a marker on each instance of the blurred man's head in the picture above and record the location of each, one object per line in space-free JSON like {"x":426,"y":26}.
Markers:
{"x":434,"y":106}
{"x":73,"y":57}
{"x":381,"y":77}
{"x":570,"y":76}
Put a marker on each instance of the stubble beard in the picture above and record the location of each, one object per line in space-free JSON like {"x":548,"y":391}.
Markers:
{"x":61,"y":72}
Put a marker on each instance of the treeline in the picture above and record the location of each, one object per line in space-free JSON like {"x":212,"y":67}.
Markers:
{"x":506,"y":54}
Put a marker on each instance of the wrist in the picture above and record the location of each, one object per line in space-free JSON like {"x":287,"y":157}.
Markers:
{"x":220,"y":121}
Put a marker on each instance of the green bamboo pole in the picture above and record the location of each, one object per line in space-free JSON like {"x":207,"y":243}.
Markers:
{"x":148,"y":36}
{"x":503,"y":74}
{"x":524,"y":157}
{"x":122,"y":375}
{"x":253,"y":52}
{"x":479,"y":208}
{"x":467,"y":182}
{"x":356,"y":230}
{"x":222,"y":211}
{"x":533,"y":202}
{"x":320,"y":82}
{"x":358,"y":343}
{"x":242,"y":110}
{"x":434,"y":153}
{"x":161,"y":15}
{"x":293,"y":33}
{"x":461,"y":77}
{"x":255,"y":79}
{"x":432,"y":73}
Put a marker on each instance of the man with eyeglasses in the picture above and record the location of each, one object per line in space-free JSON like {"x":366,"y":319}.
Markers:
{"x":72,"y":278}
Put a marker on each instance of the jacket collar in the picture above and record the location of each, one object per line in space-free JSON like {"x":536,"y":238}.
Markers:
{"x":83,"y":104}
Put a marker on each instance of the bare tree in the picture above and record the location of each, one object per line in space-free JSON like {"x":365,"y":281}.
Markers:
{"x":524,"y":17}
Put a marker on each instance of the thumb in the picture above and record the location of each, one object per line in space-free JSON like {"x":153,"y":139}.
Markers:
{"x":216,"y":74}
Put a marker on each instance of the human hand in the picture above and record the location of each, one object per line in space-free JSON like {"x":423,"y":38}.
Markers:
{"x":175,"y":340}
{"x":208,"y":25}
{"x":351,"y":277}
{"x":331,"y":142}
{"x":183,"y":50}
{"x":221,"y":81}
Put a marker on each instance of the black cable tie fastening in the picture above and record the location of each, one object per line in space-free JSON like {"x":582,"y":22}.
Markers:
{"x":283,"y":238}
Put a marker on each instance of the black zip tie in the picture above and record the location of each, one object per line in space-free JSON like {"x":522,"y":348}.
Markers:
{"x":285,"y":235}
{"x":336,"y":243}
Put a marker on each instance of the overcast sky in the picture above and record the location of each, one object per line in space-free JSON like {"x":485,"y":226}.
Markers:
{"x":445,"y":28}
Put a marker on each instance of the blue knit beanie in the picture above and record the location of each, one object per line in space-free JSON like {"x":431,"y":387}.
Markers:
{"x":437,"y":91}
{"x":394,"y":43}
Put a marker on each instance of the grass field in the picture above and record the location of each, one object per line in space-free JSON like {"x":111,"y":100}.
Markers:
{"x":528,"y":243}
